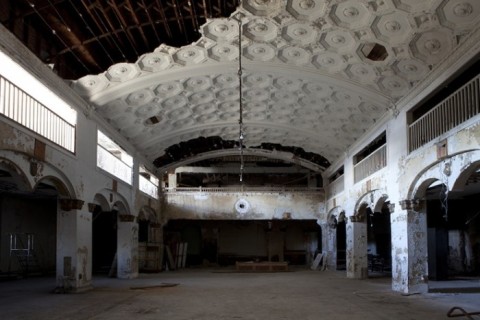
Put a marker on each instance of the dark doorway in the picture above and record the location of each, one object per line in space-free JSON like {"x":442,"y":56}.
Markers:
{"x":104,"y":240}
{"x":224,"y":242}
{"x":341,"y":245}
{"x":379,"y":242}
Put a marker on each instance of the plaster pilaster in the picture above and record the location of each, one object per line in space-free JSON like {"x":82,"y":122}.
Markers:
{"x":357,"y":262}
{"x":127,"y":248}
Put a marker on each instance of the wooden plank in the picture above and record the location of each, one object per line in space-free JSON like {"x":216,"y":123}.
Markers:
{"x":178,"y":257}
{"x":170,"y":261}
{"x":184,"y":257}
{"x":317,"y":261}
{"x":113,"y":268}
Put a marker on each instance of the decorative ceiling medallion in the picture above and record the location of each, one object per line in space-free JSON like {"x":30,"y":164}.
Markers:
{"x":288,"y":84}
{"x":223,"y":52}
{"x":140,"y":97}
{"x":392,"y":28}
{"x":307,"y":9}
{"x":295,"y":55}
{"x":263,"y":7}
{"x":260,"y":30}
{"x":200,"y":83}
{"x":122,"y":72}
{"x":432,"y":46}
{"x":226,"y":81}
{"x":168,"y":90}
{"x":300,"y":33}
{"x":351,"y":14}
{"x":91,"y":84}
{"x":329,"y":61}
{"x":154,"y":61}
{"x":189,"y":55}
{"x":258,"y":81}
{"x":260,"y":52}
{"x":221,"y":29}
{"x":459,"y":13}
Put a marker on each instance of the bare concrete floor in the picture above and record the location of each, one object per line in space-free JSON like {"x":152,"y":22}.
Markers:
{"x":210,"y":294}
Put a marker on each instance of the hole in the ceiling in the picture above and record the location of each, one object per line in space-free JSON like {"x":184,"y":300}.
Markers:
{"x":152,"y":120}
{"x":374,"y":51}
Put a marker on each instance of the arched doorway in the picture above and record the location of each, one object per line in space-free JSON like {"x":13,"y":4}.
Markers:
{"x":104,"y":235}
{"x":341,"y":233}
{"x":150,"y":242}
{"x":379,"y":241}
{"x":28,"y":222}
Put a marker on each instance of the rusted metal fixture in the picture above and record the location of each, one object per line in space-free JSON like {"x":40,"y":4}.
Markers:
{"x":460,"y":312}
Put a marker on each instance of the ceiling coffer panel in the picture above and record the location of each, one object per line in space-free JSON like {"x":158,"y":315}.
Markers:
{"x":316,"y":74}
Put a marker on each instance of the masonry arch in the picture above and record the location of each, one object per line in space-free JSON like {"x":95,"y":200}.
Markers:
{"x":32,"y":194}
{"x":150,"y":241}
{"x":445,"y":199}
{"x":464,"y":223}
{"x":109,"y":208}
{"x":372,"y":212}
{"x":13,"y":177}
{"x":335,"y":240}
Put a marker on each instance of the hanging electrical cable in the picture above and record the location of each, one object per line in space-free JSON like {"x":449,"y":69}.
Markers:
{"x":241,"y":136}
{"x":87,"y":25}
{"x":56,"y":34}
{"x":111,"y":32}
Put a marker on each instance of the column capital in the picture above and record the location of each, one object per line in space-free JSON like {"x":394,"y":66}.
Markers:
{"x":126,"y":217}
{"x":71,"y":204}
{"x":92,"y":207}
{"x":411,"y":204}
{"x":391,"y":207}
{"x":357,"y":218}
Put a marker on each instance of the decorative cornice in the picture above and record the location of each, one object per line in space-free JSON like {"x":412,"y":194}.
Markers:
{"x":126,"y":218}
{"x":391,"y":207}
{"x":357,"y":218}
{"x":92,"y":207}
{"x":71,"y":204}
{"x":411,"y":204}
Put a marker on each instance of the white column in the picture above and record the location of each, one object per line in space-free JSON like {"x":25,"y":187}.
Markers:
{"x":357,"y":261}
{"x":409,"y":248}
{"x":329,"y":244}
{"x":127,"y":247}
{"x":172,"y":181}
{"x":74,"y":246}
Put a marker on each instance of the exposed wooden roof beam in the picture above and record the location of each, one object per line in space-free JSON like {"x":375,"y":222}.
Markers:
{"x":136,"y":20}
{"x":181,"y":21}
{"x":164,"y":18}
{"x":150,"y":20}
{"x":116,"y":12}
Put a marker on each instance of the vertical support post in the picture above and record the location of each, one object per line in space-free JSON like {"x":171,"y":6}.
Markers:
{"x":74,"y":244}
{"x":329,"y":244}
{"x":409,"y":248}
{"x":127,"y":247}
{"x":172,"y":181}
{"x":357,"y":260}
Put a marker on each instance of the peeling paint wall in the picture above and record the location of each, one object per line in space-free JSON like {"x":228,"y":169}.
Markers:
{"x":266,"y":205}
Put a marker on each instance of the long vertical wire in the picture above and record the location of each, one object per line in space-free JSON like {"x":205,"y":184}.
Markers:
{"x":92,"y":32}
{"x":240,"y":85}
{"x":55,"y":33}
{"x":111,"y":31}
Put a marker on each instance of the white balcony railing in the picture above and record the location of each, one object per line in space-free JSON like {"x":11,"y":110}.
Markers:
{"x":113,"y":165}
{"x":148,"y":187}
{"x":462,"y":105}
{"x":337,"y":186}
{"x":233,"y":189}
{"x":19,"y":106}
{"x":371,"y":164}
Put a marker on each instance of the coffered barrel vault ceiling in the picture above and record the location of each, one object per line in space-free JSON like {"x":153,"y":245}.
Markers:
{"x":317,"y":74}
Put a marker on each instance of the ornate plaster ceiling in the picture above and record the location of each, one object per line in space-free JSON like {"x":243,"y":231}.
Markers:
{"x":317,"y":74}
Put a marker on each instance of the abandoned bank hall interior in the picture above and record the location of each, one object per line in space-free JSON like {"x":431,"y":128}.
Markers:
{"x":296,"y":157}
